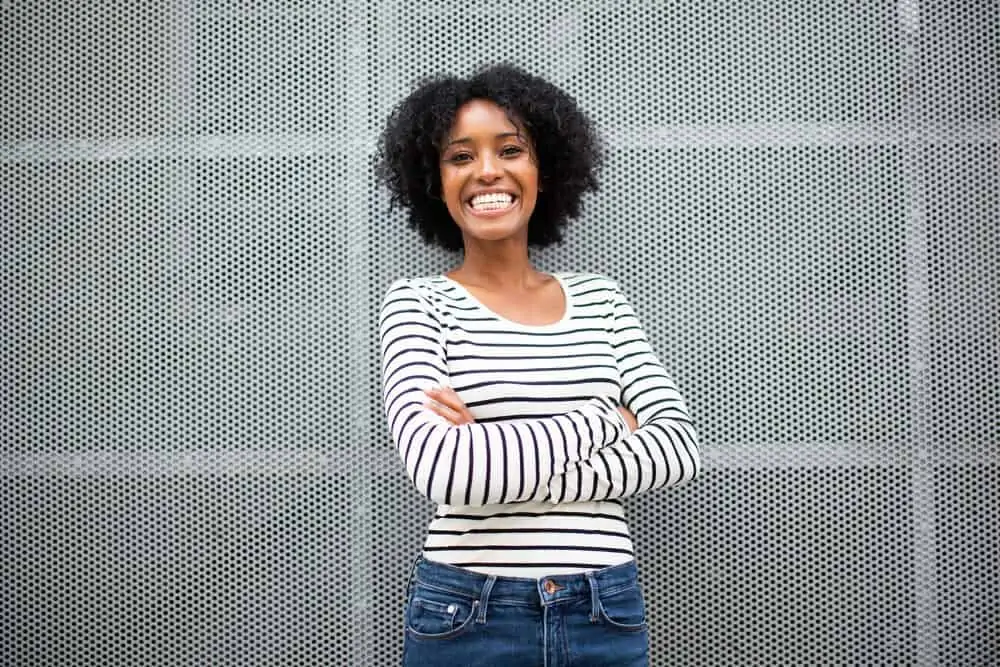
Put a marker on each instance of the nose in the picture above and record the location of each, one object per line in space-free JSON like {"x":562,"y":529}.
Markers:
{"x":489,"y":168}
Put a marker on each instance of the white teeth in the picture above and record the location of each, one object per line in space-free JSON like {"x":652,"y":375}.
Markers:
{"x":493,"y":201}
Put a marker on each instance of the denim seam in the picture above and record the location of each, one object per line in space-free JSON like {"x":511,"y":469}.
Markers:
{"x":484,"y":598}
{"x":510,"y":602}
{"x":624,"y":627}
{"x":595,"y":593}
{"x":472,"y":595}
{"x":445,"y":589}
{"x":468,"y":623}
{"x":608,"y":592}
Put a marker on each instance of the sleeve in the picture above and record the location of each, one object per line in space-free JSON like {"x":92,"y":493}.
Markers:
{"x":662,"y":452}
{"x":472,"y":464}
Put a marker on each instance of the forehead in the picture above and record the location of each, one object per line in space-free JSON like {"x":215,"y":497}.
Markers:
{"x":483,"y":118}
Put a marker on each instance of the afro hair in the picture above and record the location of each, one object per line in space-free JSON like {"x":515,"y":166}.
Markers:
{"x":564,"y":140}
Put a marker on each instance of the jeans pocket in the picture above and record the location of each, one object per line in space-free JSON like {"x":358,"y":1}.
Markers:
{"x":435,"y":614}
{"x":624,"y":609}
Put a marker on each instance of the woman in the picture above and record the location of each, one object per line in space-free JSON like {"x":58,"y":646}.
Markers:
{"x":526,"y":405}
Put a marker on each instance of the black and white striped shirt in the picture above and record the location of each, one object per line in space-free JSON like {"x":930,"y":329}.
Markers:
{"x":533,"y":486}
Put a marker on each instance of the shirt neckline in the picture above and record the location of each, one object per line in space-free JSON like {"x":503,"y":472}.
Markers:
{"x":566,"y":316}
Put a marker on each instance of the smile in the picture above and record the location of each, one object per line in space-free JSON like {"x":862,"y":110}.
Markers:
{"x":492,"y":202}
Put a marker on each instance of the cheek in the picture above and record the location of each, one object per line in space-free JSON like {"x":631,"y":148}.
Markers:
{"x":534,"y":184}
{"x":450,"y":195}
{"x":450,"y":187}
{"x":533,"y":178}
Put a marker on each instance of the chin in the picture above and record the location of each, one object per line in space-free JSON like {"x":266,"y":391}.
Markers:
{"x":495,"y":232}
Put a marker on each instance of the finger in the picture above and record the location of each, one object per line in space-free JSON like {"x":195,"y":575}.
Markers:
{"x":456,"y":417}
{"x":448,"y":397}
{"x":629,"y":418}
{"x":454,"y":401}
{"x":443,"y":411}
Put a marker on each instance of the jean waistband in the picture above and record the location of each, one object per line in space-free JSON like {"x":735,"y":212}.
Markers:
{"x":521,"y":590}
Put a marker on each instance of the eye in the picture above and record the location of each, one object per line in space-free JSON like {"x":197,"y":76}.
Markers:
{"x":459,"y":158}
{"x":511,"y":151}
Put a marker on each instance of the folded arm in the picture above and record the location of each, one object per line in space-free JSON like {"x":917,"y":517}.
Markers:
{"x":662,"y":452}
{"x":473,"y":463}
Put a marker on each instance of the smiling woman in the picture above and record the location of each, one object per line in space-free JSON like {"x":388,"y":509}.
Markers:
{"x":525,"y":404}
{"x":489,"y":174}
{"x":561,"y":137}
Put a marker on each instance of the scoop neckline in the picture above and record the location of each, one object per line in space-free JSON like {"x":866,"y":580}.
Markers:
{"x":566,"y":316}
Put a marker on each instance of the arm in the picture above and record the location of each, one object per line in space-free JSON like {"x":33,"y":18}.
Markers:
{"x":663,"y":451}
{"x":472,"y":464}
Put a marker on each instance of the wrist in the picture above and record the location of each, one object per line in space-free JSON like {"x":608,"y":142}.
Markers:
{"x":614,"y":415}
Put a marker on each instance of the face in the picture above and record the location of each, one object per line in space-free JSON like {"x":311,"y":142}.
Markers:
{"x":489,"y":174}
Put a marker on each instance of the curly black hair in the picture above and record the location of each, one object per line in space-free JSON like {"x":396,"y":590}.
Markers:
{"x":565,"y":143}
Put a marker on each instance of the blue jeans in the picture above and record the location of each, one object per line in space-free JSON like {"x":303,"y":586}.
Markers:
{"x":458,"y":617}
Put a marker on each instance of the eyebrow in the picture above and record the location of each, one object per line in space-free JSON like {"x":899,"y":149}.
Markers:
{"x":503,"y":135}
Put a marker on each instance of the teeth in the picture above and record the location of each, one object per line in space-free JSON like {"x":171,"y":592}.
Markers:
{"x":493,"y":201}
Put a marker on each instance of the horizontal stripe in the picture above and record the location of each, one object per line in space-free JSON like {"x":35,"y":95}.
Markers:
{"x":519,"y":383}
{"x":548,"y":567}
{"x":546,"y":530}
{"x":540,"y":357}
{"x":561,"y":513}
{"x":530,"y":547}
{"x":562,"y":332}
{"x":535,"y":483}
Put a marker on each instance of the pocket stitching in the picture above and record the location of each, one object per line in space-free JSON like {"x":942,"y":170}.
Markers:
{"x":454,"y":632}
{"x":638,"y":627}
{"x":437,"y":607}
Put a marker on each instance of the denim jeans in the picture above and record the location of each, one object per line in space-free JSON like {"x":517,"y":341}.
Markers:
{"x":458,"y":617}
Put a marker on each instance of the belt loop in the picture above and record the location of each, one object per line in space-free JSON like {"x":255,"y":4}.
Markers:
{"x":409,"y":579}
{"x":484,"y":597}
{"x":595,"y":599}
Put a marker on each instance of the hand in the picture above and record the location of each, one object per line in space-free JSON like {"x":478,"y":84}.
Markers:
{"x":446,"y":403}
{"x":630,"y":419}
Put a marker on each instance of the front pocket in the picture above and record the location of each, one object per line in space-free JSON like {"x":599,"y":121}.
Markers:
{"x":624,"y":609}
{"x":436,"y":618}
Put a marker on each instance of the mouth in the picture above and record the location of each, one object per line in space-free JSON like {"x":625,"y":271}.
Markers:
{"x":490,"y":204}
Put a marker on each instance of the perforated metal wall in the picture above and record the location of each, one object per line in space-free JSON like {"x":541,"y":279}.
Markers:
{"x":801,"y":200}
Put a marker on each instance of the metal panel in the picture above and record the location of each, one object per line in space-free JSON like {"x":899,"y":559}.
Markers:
{"x":800,"y":198}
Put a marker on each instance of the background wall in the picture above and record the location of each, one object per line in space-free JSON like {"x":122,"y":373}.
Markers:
{"x":801,"y":200}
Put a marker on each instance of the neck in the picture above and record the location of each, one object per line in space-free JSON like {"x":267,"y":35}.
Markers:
{"x":504,"y":265}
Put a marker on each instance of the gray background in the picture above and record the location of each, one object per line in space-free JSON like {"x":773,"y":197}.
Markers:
{"x":801,"y":200}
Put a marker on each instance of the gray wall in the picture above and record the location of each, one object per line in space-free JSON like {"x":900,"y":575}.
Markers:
{"x":801,"y":200}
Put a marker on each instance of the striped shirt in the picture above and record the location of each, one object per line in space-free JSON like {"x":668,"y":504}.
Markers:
{"x":533,"y":487}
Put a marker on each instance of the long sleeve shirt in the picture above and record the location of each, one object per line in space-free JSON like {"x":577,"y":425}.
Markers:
{"x":532,"y":487}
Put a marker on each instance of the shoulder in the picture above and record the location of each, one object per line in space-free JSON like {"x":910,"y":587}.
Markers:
{"x":426,"y":293}
{"x":589,"y":284}
{"x":425,"y":287}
